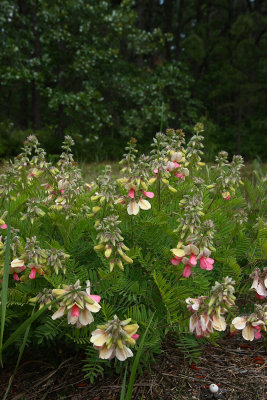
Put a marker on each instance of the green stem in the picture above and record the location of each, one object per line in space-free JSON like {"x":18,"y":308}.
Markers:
{"x":4,"y":295}
{"x":159,"y":190}
{"x":132,"y":232}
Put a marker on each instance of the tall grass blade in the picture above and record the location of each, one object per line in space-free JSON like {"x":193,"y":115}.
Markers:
{"x":21,"y":351}
{"x":123,"y":388}
{"x":136,"y":362}
{"x":5,"y":283}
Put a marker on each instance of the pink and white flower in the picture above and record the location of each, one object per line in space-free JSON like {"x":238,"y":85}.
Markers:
{"x":79,"y":304}
{"x":250,"y":326}
{"x":111,"y":339}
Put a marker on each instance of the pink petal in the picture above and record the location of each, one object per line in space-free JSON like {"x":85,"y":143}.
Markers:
{"x":259,"y":296}
{"x":95,"y":297}
{"x":156,"y":171}
{"x":75,"y":311}
{"x":148,"y":194}
{"x":62,"y":191}
{"x":131,"y":193}
{"x":257,"y":334}
{"x":16,"y":277}
{"x":203,"y":263}
{"x":210,"y":260}
{"x":193,"y":259}
{"x":33,"y":273}
{"x":3,"y":226}
{"x":209,"y":267}
{"x":135,"y":336}
{"x":22,"y":268}
{"x":175,"y":261}
{"x":187,"y":271}
{"x":176,"y":164}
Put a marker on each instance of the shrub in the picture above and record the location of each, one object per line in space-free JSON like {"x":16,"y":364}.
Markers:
{"x":172,"y":238}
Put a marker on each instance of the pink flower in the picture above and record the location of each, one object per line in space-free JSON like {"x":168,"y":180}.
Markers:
{"x":204,"y":260}
{"x":75,"y":311}
{"x":193,"y":259}
{"x":22,"y":268}
{"x":148,"y":194}
{"x":259,"y":296}
{"x":250,"y":330}
{"x":178,"y":175}
{"x":156,"y":171}
{"x":176,"y":260}
{"x":33,"y":273}
{"x":202,"y":325}
{"x":187,"y":271}
{"x":4,"y":226}
{"x":16,"y":277}
{"x":62,"y":191}
{"x":206,"y":263}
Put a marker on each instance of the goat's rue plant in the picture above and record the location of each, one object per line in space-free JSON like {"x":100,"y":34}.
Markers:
{"x":171,"y":237}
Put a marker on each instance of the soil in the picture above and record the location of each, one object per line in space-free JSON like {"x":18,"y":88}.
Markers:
{"x":236,"y":366}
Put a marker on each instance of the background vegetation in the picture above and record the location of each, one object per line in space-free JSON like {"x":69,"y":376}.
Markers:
{"x":105,"y":70}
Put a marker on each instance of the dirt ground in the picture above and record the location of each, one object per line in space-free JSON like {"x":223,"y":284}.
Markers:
{"x":236,"y":366}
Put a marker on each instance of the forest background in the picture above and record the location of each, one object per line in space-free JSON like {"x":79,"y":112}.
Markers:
{"x":106,"y":70}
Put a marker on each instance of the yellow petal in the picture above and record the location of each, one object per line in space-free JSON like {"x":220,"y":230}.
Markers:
{"x":178,"y":252}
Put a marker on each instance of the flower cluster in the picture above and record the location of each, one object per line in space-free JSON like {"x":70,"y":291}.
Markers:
{"x":229,"y":177}
{"x":194,"y":148}
{"x":56,"y":259}
{"x":137,"y":188}
{"x":65,"y":180}
{"x":190,"y":255}
{"x":104,"y":193}
{"x":112,"y":339}
{"x":111,"y":242}
{"x":38,"y":260}
{"x":129,"y":157}
{"x":168,"y":158}
{"x":208,"y":314}
{"x":43,"y":298}
{"x":33,"y":211}
{"x":77,"y":303}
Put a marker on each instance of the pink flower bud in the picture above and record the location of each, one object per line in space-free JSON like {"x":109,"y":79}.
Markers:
{"x":135,"y":336}
{"x":131,"y":193}
{"x":16,"y":277}
{"x":4,"y":226}
{"x":33,"y":273}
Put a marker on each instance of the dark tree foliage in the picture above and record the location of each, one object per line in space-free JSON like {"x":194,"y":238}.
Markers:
{"x":106,"y":70}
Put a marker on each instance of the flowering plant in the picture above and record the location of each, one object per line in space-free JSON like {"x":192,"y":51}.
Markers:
{"x":192,"y":260}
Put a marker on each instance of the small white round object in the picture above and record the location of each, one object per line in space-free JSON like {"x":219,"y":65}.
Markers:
{"x":213,"y":388}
